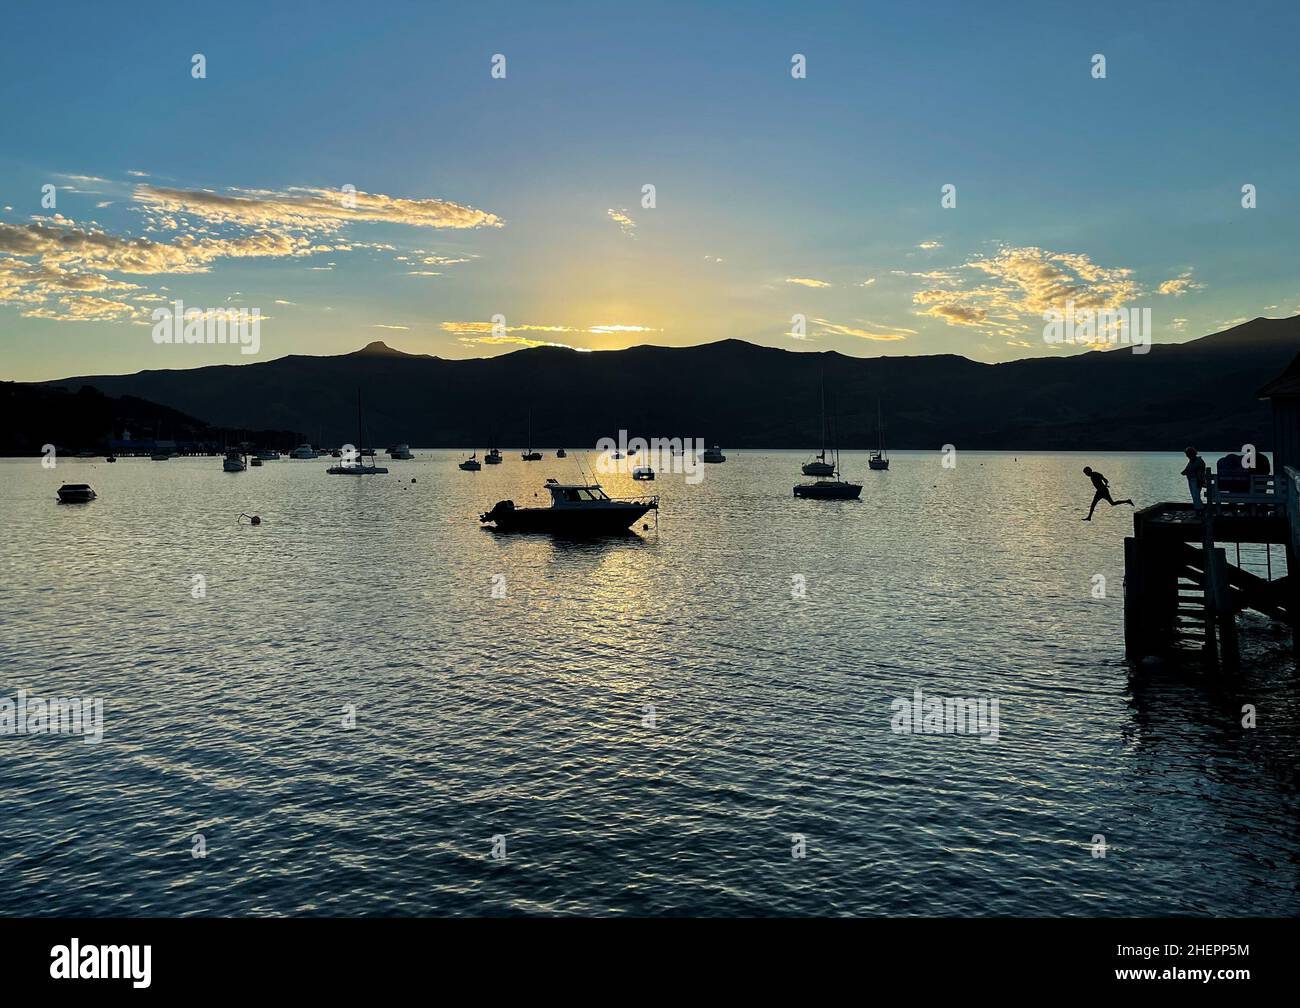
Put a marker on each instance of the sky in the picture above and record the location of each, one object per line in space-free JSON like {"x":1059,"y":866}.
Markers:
{"x":493,"y":212}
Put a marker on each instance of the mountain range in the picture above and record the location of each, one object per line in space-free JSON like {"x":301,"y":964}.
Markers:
{"x":741,"y":395}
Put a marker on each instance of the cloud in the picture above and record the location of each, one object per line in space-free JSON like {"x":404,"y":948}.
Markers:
{"x":314,"y":209}
{"x":930,"y":245}
{"x":519,"y":341}
{"x":380,"y":325}
{"x":1179,"y":285}
{"x":882,"y":333}
{"x":807,"y":282}
{"x":867,"y":282}
{"x":1003,"y":292}
{"x":626,"y":224}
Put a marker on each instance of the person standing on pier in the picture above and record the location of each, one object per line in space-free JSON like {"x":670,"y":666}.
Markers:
{"x":1103,"y":492}
{"x":1195,"y":473}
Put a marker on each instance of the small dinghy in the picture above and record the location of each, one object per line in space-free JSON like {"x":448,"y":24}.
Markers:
{"x":76,"y":493}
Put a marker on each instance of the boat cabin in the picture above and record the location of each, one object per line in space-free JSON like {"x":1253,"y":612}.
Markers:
{"x":575,"y":494}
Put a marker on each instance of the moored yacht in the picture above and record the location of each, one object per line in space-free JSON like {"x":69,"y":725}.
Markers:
{"x":561,"y":454}
{"x":493,"y":457}
{"x":714,"y":454}
{"x":471,"y":464}
{"x":401,"y":452}
{"x":303,"y":451}
{"x":358,"y":467}
{"x":268,"y":456}
{"x":233,"y":462}
{"x":644,"y":472}
{"x":879,"y":459}
{"x":576,"y":509}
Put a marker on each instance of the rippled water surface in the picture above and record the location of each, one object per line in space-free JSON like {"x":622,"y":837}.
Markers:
{"x":526,"y":717}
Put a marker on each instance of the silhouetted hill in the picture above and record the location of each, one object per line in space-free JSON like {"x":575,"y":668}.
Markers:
{"x":83,"y":418}
{"x":741,"y":395}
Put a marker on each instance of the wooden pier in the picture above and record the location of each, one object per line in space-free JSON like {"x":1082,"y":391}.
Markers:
{"x":1184,"y":574}
{"x":1185,"y":578}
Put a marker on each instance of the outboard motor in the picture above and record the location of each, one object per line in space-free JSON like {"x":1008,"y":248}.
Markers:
{"x":502,"y":507}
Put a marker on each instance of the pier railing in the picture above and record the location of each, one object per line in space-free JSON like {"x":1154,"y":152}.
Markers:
{"x":1245,"y":492}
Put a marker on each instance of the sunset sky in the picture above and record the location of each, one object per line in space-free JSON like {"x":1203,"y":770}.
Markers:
{"x":522,"y":196}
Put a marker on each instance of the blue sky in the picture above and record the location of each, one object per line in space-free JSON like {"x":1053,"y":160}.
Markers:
{"x":775,"y":196}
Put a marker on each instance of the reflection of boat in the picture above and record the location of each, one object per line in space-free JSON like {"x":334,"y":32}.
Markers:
{"x":879,"y":459}
{"x":76,"y":493}
{"x":471,"y":464}
{"x":303,"y":451}
{"x":576,"y":509}
{"x":233,"y":462}
{"x":714,"y":454}
{"x":358,"y":468}
{"x":561,"y":454}
{"x":401,"y":452}
{"x":493,"y":457}
{"x":819,"y":466}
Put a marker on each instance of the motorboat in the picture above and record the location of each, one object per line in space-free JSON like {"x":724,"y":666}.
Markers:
{"x":401,"y":452}
{"x":471,"y":464}
{"x":714,"y":454}
{"x":256,"y":460}
{"x":303,"y":451}
{"x":159,"y":457}
{"x":643,"y":473}
{"x":561,"y":454}
{"x":267,"y":456}
{"x":111,"y":458}
{"x":493,"y":457}
{"x":233,"y":462}
{"x":76,"y":493}
{"x":576,"y":509}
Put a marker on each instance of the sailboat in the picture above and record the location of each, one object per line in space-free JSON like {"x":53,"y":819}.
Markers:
{"x":819,"y":466}
{"x":493,"y":457}
{"x":830,"y":489}
{"x":471,"y":464}
{"x":879,"y":459}
{"x":359,"y":468}
{"x":530,"y":455}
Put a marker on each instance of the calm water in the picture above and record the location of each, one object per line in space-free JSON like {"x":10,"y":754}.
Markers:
{"x":525,"y":717}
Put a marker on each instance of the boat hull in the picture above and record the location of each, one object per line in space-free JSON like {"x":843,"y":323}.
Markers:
{"x":571,"y":521}
{"x":829,"y":490}
{"x":357,"y":471}
{"x":878,"y":464}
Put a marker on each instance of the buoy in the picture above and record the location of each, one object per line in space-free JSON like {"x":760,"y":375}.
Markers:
{"x":412,"y":479}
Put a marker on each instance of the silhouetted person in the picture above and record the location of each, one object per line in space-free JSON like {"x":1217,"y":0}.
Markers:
{"x":1195,"y":473}
{"x":1233,"y":477}
{"x":1103,"y":492}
